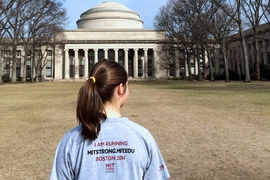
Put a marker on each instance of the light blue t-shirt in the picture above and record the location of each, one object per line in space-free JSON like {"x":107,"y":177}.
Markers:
{"x":123,"y":150}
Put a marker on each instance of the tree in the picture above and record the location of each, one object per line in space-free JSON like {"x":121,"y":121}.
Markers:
{"x":1,"y":38}
{"x":39,"y":34}
{"x":200,"y":22}
{"x":187,"y":25}
{"x":18,"y":16}
{"x":3,"y":22}
{"x":168,"y":59}
{"x":172,"y":18}
{"x":254,"y":11}
{"x":28,"y":25}
{"x":221,"y":26}
{"x":237,"y":18}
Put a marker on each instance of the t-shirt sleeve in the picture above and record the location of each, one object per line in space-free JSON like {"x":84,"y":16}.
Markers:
{"x":61,"y":169}
{"x":156,"y":169}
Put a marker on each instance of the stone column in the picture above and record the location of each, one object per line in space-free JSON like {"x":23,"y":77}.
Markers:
{"x":116,"y":55}
{"x":145,"y":70}
{"x":86,"y":64}
{"x":67,"y":66}
{"x":76,"y":76}
{"x":105,"y":53}
{"x":95,"y":56}
{"x":186,"y":68}
{"x":22,"y":63}
{"x":43,"y":71}
{"x":135,"y":63}
{"x":126,"y":60}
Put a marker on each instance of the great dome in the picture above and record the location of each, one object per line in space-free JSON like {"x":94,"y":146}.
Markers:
{"x":109,"y":15}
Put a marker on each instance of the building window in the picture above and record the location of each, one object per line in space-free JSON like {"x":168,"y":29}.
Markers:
{"x":111,"y":54}
{"x":221,"y":68}
{"x":18,"y":68}
{"x":260,"y":44}
{"x":150,"y":52}
{"x":18,"y":53}
{"x":149,"y":64}
{"x":91,"y":60}
{"x":81,"y":53}
{"x":49,"y":69}
{"x":140,"y":69}
{"x":268,"y":54}
{"x":49,"y":53}
{"x":262,"y":59}
{"x":28,"y":68}
{"x":72,"y":68}
{"x":100,"y":55}
{"x":38,"y":53}
{"x":121,"y":55}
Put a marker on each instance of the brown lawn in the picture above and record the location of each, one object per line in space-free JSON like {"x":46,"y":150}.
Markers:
{"x":204,"y":130}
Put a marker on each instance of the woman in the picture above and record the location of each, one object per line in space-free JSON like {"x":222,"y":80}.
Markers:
{"x":105,"y":145}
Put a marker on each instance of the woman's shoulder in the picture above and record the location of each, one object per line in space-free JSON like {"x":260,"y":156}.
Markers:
{"x":73,"y":135}
{"x":138,"y":129}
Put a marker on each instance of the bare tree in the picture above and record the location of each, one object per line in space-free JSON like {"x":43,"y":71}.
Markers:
{"x":221,"y":26}
{"x":187,"y":24}
{"x":1,"y":38}
{"x":255,"y":11}
{"x":172,"y":18}
{"x":28,"y":25}
{"x":39,"y":33}
{"x":4,"y":6}
{"x":200,"y":14}
{"x":18,"y":16}
{"x":168,"y":59}
{"x":237,"y":17}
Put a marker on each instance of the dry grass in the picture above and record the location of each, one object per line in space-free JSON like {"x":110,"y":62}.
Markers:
{"x":204,"y":130}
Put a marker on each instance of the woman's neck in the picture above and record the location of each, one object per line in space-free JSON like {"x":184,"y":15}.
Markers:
{"x":112,"y":111}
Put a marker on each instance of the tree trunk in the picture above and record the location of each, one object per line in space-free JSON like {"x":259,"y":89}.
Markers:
{"x":33,"y":65}
{"x":198,"y":64}
{"x":205,"y":69}
{"x":244,"y":49}
{"x":257,"y":57}
{"x":14,"y":60}
{"x":211,"y":70}
{"x":189,"y":69}
{"x":211,"y":74}
{"x":24,"y":70}
{"x":224,"y":53}
{"x":1,"y":69}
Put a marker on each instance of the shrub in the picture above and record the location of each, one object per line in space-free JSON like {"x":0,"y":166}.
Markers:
{"x":6,"y":79}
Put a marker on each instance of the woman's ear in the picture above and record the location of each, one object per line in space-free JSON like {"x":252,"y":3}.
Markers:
{"x":120,"y":89}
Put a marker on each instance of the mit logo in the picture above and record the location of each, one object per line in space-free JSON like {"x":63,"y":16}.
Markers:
{"x":110,"y":168}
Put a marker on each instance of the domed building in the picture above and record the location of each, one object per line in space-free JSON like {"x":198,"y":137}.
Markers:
{"x":111,"y":31}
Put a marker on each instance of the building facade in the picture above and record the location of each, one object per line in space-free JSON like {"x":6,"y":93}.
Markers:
{"x":236,"y":62}
{"x":108,"y":31}
{"x":113,"y":31}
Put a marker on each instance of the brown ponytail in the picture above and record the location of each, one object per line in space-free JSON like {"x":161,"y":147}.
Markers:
{"x":105,"y":76}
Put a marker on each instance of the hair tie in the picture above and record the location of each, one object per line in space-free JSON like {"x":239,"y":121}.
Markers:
{"x":94,"y":79}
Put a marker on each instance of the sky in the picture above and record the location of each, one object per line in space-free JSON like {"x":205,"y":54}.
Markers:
{"x":147,"y":9}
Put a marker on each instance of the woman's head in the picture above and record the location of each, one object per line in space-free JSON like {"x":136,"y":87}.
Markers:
{"x":99,"y":89}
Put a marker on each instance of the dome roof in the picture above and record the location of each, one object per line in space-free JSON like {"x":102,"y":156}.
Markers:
{"x":109,"y":15}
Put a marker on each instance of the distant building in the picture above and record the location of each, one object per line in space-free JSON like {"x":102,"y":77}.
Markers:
{"x":236,"y":62}
{"x":113,"y":31}
{"x":109,"y":30}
